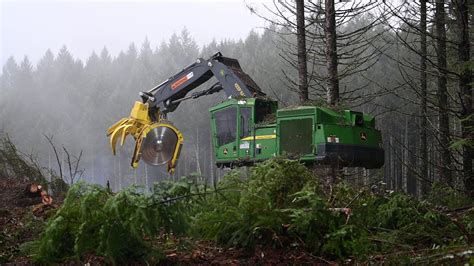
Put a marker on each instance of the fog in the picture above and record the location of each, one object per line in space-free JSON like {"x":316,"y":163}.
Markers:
{"x":29,"y":28}
{"x":78,"y":67}
{"x":72,"y":69}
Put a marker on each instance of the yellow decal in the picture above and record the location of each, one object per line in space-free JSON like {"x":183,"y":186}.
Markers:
{"x":261,"y":137}
{"x":363,"y":136}
{"x":239,"y":89}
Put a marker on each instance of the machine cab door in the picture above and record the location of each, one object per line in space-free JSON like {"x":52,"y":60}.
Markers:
{"x":246,"y":141}
{"x":225,"y":136}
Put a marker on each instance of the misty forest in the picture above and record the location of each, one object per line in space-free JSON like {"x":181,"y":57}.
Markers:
{"x":407,"y":64}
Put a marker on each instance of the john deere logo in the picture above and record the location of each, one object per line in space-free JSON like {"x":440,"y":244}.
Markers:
{"x":363,"y":136}
{"x":225,"y":151}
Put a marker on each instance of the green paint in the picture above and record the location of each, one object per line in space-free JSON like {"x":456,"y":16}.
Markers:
{"x":295,"y":132}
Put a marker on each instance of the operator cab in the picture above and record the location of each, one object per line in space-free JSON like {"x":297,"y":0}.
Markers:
{"x":236,"y":125}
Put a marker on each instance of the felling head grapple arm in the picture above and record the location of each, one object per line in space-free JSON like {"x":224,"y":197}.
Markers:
{"x":147,"y":120}
{"x":231,"y":78}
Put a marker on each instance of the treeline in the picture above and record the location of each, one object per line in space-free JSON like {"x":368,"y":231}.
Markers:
{"x":76,"y":101}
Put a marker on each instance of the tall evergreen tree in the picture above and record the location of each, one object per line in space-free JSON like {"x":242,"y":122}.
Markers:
{"x":331,"y":53}
{"x":302,"y":59}
{"x":465,"y":91}
{"x":442,"y":94}
{"x":423,"y":98}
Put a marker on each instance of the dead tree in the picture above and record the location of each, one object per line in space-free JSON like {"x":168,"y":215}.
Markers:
{"x":351,"y":52}
{"x":465,"y":92}
{"x":423,"y":91}
{"x":302,"y":61}
{"x":331,"y":54}
{"x":429,"y":26}
{"x":72,"y":163}
{"x":442,"y":93}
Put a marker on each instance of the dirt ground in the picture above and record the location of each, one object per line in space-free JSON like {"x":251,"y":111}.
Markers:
{"x":22,"y":219}
{"x":207,"y":253}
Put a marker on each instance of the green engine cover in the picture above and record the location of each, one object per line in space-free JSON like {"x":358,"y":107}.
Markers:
{"x":250,"y":130}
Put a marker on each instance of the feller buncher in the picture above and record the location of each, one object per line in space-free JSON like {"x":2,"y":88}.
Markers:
{"x":248,"y":127}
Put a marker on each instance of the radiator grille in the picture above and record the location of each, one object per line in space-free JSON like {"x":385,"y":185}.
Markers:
{"x":296,"y":137}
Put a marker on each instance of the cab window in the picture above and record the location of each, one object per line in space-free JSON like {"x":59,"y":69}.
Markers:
{"x":226,"y":125}
{"x":245,"y":116}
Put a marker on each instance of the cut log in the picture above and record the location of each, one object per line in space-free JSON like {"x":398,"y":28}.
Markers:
{"x":46,"y":199}
{"x":36,"y":193}
{"x":33,"y":190}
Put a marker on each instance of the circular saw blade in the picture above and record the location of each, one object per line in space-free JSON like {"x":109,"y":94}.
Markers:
{"x":159,"y":145}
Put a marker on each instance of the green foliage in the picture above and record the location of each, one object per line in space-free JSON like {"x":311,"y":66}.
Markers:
{"x":408,"y":222}
{"x":14,"y":163}
{"x":280,"y":201}
{"x":93,"y":220}
{"x":220,"y":217}
{"x":58,"y":187}
{"x":449,"y":197}
{"x":280,"y":204}
{"x":25,"y":167}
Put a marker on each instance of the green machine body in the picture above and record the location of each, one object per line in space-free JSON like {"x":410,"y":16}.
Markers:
{"x":250,"y":130}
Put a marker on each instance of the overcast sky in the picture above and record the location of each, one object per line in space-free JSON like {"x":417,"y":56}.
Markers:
{"x":31,"y":27}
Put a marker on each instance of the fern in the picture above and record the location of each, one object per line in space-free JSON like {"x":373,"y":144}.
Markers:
{"x":93,"y":220}
{"x":280,"y":204}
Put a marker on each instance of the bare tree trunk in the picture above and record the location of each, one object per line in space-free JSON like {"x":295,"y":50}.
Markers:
{"x":423,"y":80}
{"x":198,"y":164}
{"x":399,"y":152}
{"x":445,"y":162}
{"x":388,"y":168}
{"x":331,"y":54}
{"x":392,"y":165}
{"x":412,"y":180}
{"x":301,"y":43}
{"x":50,"y":166}
{"x":406,"y":162}
{"x":211,"y":159}
{"x":465,"y":90}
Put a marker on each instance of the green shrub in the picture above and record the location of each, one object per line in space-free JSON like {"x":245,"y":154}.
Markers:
{"x":448,"y":197}
{"x":280,"y":204}
{"x":117,"y":226}
{"x":281,"y":201}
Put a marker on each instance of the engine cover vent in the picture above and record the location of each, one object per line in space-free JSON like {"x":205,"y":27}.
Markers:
{"x":296,"y":137}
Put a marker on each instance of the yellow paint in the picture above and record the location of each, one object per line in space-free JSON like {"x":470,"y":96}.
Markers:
{"x":140,"y":111}
{"x":138,"y":124}
{"x":239,"y":89}
{"x":260,"y":137}
{"x":174,"y":160}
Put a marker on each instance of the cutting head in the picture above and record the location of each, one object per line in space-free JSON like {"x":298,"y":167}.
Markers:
{"x":158,"y":142}
{"x":160,"y":145}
